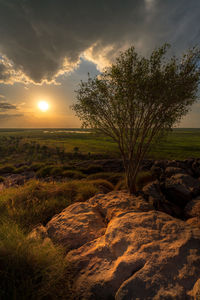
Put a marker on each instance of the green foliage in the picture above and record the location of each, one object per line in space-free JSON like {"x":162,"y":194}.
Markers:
{"x":30,"y":269}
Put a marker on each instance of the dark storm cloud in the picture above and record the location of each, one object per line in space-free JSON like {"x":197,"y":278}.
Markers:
{"x":38,"y":37}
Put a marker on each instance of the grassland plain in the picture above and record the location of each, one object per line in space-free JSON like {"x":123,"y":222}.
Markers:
{"x":181,"y":143}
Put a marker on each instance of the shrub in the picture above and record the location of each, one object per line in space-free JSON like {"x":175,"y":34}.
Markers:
{"x":7,"y":169}
{"x":143,"y":178}
{"x":30,"y":269}
{"x":56,"y":171}
{"x":110,"y":176}
{"x":2,"y":179}
{"x":103,"y":185}
{"x":73,"y":174}
{"x":121,"y":185}
{"x":45,"y":171}
{"x":85,"y":192}
{"x":91,"y":169}
{"x":36,"y":166}
{"x":22,"y":169}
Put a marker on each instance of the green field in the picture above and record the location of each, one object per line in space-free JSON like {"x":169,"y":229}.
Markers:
{"x":17,"y":145}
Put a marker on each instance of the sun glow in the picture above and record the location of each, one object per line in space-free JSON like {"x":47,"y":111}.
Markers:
{"x":43,"y":106}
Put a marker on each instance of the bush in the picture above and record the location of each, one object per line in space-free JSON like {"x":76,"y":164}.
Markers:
{"x":22,"y":169}
{"x":103,"y":185}
{"x":142,"y":179}
{"x":110,"y":176}
{"x":73,"y":174}
{"x":91,"y":169}
{"x":56,"y":171}
{"x":2,"y":179}
{"x":45,"y":171}
{"x":36,"y":166}
{"x":30,"y":269}
{"x":121,"y":185}
{"x":7,"y":169}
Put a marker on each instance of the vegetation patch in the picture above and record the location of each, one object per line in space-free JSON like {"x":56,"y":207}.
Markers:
{"x":30,"y":269}
{"x":37,"y":201}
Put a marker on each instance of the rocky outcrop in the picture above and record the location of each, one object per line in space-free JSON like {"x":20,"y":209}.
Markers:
{"x":123,"y":249}
{"x":142,"y":255}
{"x":128,"y":247}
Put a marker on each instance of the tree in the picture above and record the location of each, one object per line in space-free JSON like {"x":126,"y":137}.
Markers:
{"x":137,"y":99}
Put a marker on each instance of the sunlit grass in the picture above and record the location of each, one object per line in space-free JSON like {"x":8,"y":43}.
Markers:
{"x":29,"y":268}
{"x":37,"y":201}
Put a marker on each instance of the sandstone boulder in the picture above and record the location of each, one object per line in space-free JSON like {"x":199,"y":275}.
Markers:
{"x":142,"y":255}
{"x":76,"y":225}
{"x":111,"y":204}
{"x":195,"y":222}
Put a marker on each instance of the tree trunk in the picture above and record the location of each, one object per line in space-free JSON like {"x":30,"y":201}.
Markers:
{"x":131,"y":170}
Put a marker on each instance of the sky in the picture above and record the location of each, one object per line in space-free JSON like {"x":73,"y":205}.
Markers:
{"x":47,"y":47}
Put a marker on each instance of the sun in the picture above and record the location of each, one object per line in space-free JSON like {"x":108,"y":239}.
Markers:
{"x":43,"y":106}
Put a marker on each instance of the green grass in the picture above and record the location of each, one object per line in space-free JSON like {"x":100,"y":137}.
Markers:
{"x":30,"y":269}
{"x":39,"y":146}
{"x":37,"y":201}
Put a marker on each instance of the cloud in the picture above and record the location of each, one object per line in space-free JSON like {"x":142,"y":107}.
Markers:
{"x":4,"y":106}
{"x":9,"y":116}
{"x":41,"y":40}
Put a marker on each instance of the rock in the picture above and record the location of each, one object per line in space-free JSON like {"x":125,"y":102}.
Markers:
{"x":156,"y":171}
{"x":195,"y":222}
{"x":153,"y":191}
{"x":169,"y":171}
{"x":76,"y":225}
{"x":196,"y":290}
{"x":142,"y":255}
{"x":160,"y":163}
{"x":39,"y":233}
{"x":196,"y":168}
{"x":192,"y":209}
{"x":180,"y":188}
{"x":111,"y":204}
